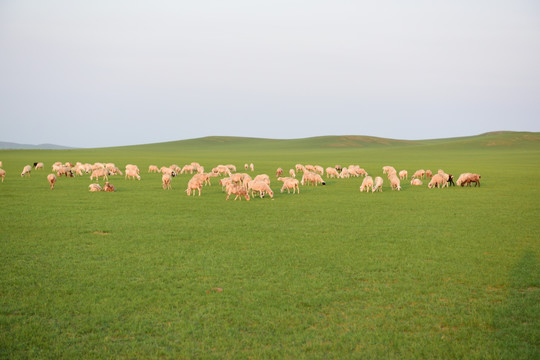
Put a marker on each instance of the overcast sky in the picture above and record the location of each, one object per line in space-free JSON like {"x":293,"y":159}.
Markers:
{"x":106,"y":73}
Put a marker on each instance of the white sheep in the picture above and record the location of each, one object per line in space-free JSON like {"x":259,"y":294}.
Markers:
{"x":153,"y":169}
{"x":263,"y":177}
{"x":52,"y":179}
{"x":367,"y":184}
{"x":2,"y":174}
{"x":331,"y":172}
{"x":97,"y":173}
{"x":292,"y":173}
{"x":26,"y":170}
{"x":403,"y":174}
{"x":194,"y":184}
{"x":237,"y":190}
{"x":166,"y":181}
{"x":416,"y":182}
{"x":290,"y":184}
{"x":419,"y":174}
{"x":39,"y":166}
{"x":261,"y":187}
{"x":94,"y":187}
{"x":437,"y":180}
{"x":132,"y":174}
{"x":395,"y":183}
{"x":377,"y":184}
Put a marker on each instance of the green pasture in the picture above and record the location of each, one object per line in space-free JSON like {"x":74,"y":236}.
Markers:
{"x":330,"y":273}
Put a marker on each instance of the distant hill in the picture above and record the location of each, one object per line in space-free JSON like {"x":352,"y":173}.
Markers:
{"x":4,"y":145}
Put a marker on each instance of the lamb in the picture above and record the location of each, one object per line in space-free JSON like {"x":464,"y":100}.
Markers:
{"x":26,"y":170}
{"x":97,"y":173}
{"x":331,"y":172}
{"x":52,"y":179}
{"x":367,"y":184}
{"x":416,"y":182}
{"x":108,"y":187}
{"x":132,"y":174}
{"x":153,"y":169}
{"x":378,"y":183}
{"x":437,"y":180}
{"x":261,"y":187}
{"x":419,"y":174}
{"x":94,"y":187}
{"x":166,"y":180}
{"x":2,"y":174}
{"x":403,"y":174}
{"x":279,"y":172}
{"x":237,"y":190}
{"x":194,"y":184}
{"x":395,"y":183}
{"x":290,"y":184}
{"x":292,"y":173}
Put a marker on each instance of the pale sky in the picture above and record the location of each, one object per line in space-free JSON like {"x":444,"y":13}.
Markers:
{"x":109,"y":73}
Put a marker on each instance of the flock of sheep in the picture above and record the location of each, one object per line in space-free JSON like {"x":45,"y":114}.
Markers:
{"x":241,"y":185}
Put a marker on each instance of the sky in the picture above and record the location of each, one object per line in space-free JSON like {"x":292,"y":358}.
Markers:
{"x":109,"y":73}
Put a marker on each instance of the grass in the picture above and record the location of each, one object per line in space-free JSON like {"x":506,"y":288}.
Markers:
{"x":328,"y":273}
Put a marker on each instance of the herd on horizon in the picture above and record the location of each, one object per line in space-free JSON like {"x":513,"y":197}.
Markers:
{"x":242,"y":184}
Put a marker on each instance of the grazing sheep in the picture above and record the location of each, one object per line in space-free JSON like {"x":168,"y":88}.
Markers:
{"x":403,"y":174}
{"x":26,"y":170}
{"x":108,"y":187}
{"x":64,"y":170}
{"x":52,"y":179}
{"x":331,"y":172}
{"x":377,"y":185}
{"x":175,"y":168}
{"x":2,"y":174}
{"x":131,"y":174}
{"x":168,"y":171}
{"x":237,"y":190}
{"x":429,"y":174}
{"x":279,"y":172}
{"x":319,"y":169}
{"x":361,"y":172}
{"x":345,"y":173}
{"x":194,"y":184}
{"x":367,"y":184}
{"x":388,"y":170}
{"x":231,"y":167}
{"x":166,"y":180}
{"x":94,"y":187}
{"x":225,"y":182}
{"x":299,"y":167}
{"x":437,"y":180}
{"x":292,"y":173}
{"x":203,"y":178}
{"x":187,"y":168}
{"x":395,"y":183}
{"x":416,"y":182}
{"x":290,"y":184}
{"x":419,"y":174}
{"x":153,"y":169}
{"x":310,"y":178}
{"x":468,"y":179}
{"x":133,"y":167}
{"x":261,"y":187}
{"x":38,"y":166}
{"x":97,"y":173}
{"x":263,"y":177}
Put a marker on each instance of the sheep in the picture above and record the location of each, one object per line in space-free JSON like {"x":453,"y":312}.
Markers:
{"x":221,"y":170}
{"x":367,"y":184}
{"x":237,"y":190}
{"x":388,"y":169}
{"x":26,"y":170}
{"x":166,"y":180}
{"x":419,"y":174}
{"x":195,"y":164}
{"x":467,"y":179}
{"x":416,"y":182}
{"x":97,"y":173}
{"x":279,"y":172}
{"x":132,"y":174}
{"x":252,"y":167}
{"x":299,"y":167}
{"x":133,"y":167}
{"x":175,"y":168}
{"x":292,"y":173}
{"x":203,"y":178}
{"x":437,"y":180}
{"x":64,"y":170}
{"x":38,"y":166}
{"x":311,"y":178}
{"x":94,"y":187}
{"x":345,"y":173}
{"x":261,"y":187}
{"x":429,"y":174}
{"x":290,"y":184}
{"x":224,"y":182}
{"x":231,"y":167}
{"x":52,"y":179}
{"x":403,"y":174}
{"x":338,"y":168}
{"x":194,"y":184}
{"x":108,"y":187}
{"x":116,"y":171}
{"x":331,"y":172}
{"x":395,"y":183}
{"x":187,"y":168}
{"x":263,"y":177}
{"x":0,"y":164}
{"x":2,"y":174}
{"x":246,"y":166}
{"x":153,"y":169}
{"x":319,"y":169}
{"x":361,"y":172}
{"x":377,"y":185}
{"x":168,"y":171}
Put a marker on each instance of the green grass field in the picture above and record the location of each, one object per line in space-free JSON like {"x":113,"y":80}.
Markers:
{"x":329,"y":273}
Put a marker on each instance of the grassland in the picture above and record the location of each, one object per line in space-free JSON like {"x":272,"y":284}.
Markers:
{"x":329,"y":273}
